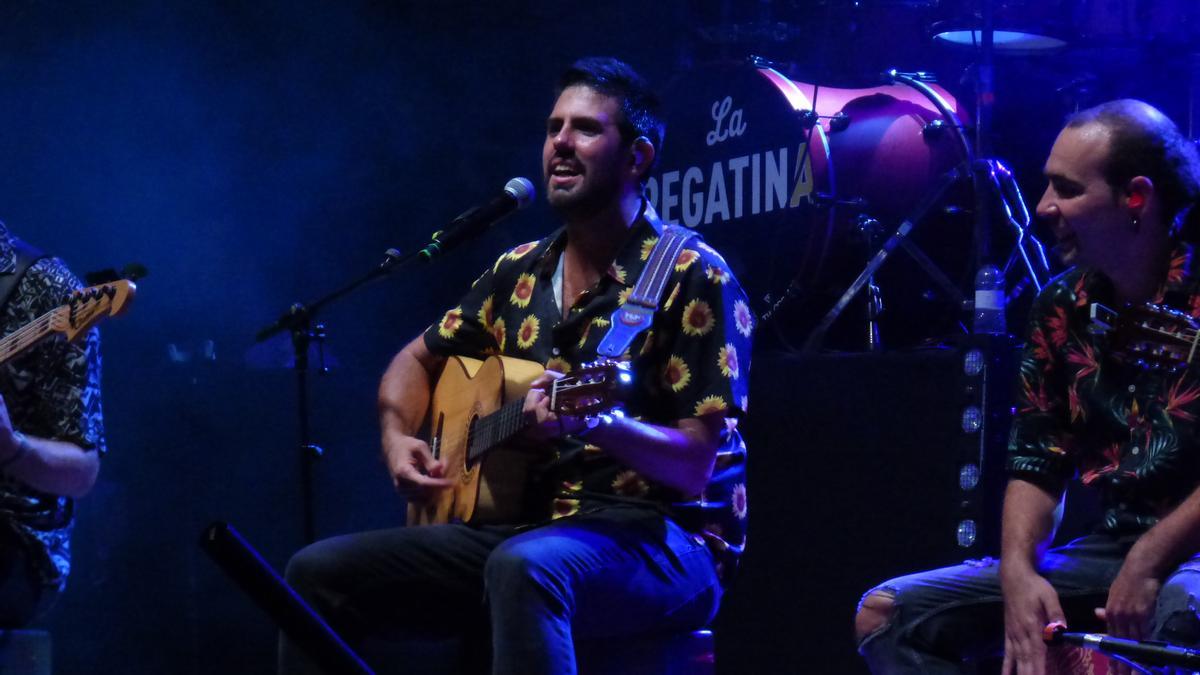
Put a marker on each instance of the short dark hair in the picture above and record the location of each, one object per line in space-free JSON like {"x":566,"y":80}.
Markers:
{"x":640,"y":114}
{"x":1145,"y":142}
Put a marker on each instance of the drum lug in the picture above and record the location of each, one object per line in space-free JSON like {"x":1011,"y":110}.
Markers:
{"x":934,"y":129}
{"x":837,"y":121}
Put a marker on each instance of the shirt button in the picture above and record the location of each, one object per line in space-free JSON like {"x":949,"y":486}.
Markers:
{"x":1135,"y":450}
{"x":555,"y":351}
{"x":1132,"y":388}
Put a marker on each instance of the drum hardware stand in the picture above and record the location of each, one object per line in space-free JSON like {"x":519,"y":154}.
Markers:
{"x":994,"y":174}
{"x":898,"y":238}
{"x":1027,"y":249}
{"x":871,"y":230}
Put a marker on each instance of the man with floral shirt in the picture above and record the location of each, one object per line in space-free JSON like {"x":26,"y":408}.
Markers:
{"x":51,"y":439}
{"x":631,"y":517}
{"x":1121,"y":181}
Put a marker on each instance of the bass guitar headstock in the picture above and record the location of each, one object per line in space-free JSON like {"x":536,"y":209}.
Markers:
{"x":86,"y":307}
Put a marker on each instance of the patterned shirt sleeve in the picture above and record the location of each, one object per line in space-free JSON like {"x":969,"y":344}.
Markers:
{"x":706,"y":312}
{"x":471,"y":328}
{"x":67,"y":374}
{"x":1040,"y":446}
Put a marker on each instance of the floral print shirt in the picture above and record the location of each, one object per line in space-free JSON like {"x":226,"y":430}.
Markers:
{"x":51,"y":391}
{"x":692,"y":361}
{"x":1128,"y":431}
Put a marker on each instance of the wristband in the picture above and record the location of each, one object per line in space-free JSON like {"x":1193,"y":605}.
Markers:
{"x":22,"y":449}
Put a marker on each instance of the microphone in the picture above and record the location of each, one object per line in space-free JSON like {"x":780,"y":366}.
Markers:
{"x":518,"y":193}
{"x":1141,"y":651}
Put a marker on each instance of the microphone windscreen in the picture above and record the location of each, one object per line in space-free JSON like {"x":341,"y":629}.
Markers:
{"x":521,"y":189}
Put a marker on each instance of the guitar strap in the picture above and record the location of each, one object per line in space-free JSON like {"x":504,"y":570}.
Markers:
{"x":637,"y":313}
{"x":26,"y":256}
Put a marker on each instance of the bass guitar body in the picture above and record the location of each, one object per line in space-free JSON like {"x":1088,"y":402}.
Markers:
{"x":468,"y":409}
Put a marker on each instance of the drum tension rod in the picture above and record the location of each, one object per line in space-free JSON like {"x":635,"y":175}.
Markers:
{"x":837,"y":121}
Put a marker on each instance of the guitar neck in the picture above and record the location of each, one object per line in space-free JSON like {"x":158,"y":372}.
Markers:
{"x":496,"y":428}
{"x":590,"y":390}
{"x":20,"y":340}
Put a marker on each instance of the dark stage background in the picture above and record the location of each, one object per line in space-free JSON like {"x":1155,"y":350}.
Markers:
{"x":256,"y":154}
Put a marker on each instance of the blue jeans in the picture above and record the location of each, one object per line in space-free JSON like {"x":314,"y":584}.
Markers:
{"x":944,"y":617}
{"x":404,"y":591}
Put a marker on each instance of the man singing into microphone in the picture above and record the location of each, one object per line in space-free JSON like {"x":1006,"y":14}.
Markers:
{"x":633,"y":516}
{"x":1121,"y":181}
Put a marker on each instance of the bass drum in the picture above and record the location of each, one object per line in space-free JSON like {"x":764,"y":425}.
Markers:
{"x":783,"y":199}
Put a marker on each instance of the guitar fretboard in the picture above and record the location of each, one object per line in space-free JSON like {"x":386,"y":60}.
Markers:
{"x":28,"y":335}
{"x":496,"y":428}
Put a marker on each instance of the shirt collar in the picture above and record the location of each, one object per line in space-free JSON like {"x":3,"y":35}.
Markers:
{"x":1181,"y":278}
{"x":1181,"y":271}
{"x":630,"y":259}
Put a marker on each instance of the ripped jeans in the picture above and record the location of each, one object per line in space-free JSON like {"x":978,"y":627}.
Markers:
{"x":944,"y":617}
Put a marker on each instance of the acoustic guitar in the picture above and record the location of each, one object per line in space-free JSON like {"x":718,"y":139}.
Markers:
{"x":476,"y":414}
{"x":81,"y":310}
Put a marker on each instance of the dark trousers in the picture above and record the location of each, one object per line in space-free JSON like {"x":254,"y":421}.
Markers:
{"x":613,"y":572}
{"x":22,"y":597}
{"x":946,"y":616}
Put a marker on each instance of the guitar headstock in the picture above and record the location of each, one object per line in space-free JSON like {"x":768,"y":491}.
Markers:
{"x":1152,"y":336}
{"x":595,"y":388}
{"x":87,"y":306}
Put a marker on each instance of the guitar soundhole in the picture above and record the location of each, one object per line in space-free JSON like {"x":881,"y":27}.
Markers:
{"x":435,"y":443}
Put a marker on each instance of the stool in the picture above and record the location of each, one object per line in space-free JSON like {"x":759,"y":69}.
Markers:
{"x":25,"y":652}
{"x":688,"y":653}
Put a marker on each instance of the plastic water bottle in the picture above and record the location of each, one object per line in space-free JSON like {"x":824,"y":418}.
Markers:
{"x":989,"y":301}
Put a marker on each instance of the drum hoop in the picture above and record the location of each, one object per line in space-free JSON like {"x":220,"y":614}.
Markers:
{"x":943,"y":108}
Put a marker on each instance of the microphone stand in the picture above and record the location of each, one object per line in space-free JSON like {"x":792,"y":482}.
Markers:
{"x":299,"y":320}
{"x":1140,"y":655}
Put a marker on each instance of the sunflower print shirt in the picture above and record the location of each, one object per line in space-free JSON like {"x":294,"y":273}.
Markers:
{"x":1127,"y":431}
{"x":51,"y":391}
{"x":693,"y":360}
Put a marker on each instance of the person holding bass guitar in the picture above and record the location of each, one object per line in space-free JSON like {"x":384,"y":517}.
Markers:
{"x":625,"y":514}
{"x":51,"y":424}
